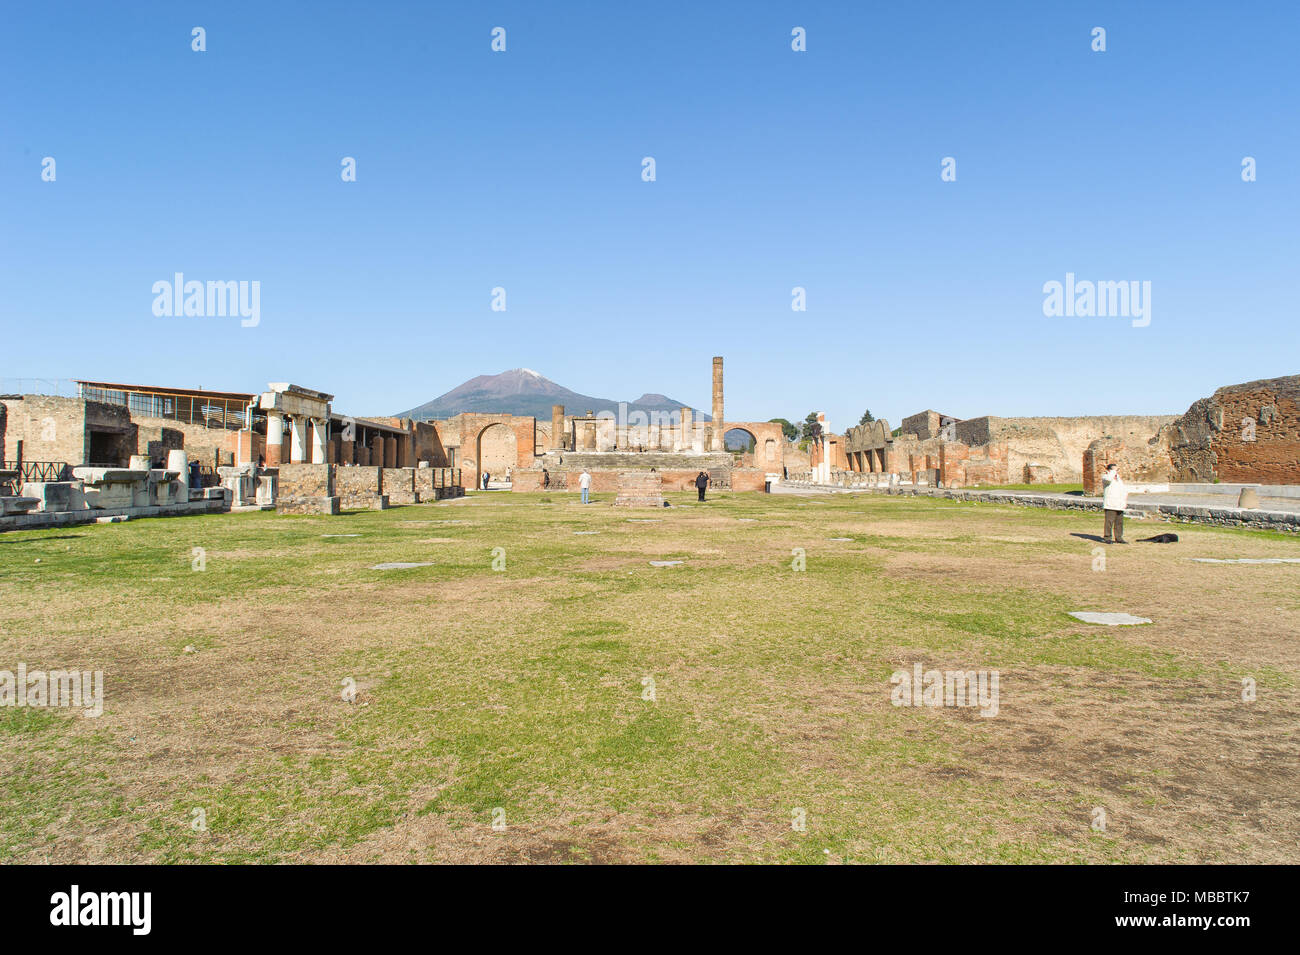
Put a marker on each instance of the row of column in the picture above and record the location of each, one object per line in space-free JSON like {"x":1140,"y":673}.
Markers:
{"x":299,"y":433}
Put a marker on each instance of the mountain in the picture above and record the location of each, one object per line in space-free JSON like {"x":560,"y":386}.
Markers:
{"x":522,"y":391}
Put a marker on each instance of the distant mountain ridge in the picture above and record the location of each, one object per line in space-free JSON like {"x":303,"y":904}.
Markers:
{"x":522,"y":391}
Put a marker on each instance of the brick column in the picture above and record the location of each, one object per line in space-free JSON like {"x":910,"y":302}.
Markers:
{"x":274,"y":440}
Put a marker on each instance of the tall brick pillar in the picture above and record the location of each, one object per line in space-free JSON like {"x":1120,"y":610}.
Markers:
{"x":557,"y":427}
{"x":274,"y":440}
{"x":718,"y":428}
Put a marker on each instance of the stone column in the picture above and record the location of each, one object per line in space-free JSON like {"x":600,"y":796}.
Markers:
{"x":589,"y":437}
{"x":297,"y":439}
{"x":557,"y":427}
{"x":319,"y":430}
{"x":686,"y":437}
{"x":274,"y":439}
{"x":718,"y":428}
{"x":377,"y":451}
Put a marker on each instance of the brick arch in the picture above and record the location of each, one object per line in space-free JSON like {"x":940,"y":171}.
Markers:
{"x":491,"y":459}
{"x":762,"y":431}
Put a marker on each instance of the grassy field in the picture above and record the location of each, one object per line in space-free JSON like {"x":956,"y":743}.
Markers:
{"x":518,"y":695}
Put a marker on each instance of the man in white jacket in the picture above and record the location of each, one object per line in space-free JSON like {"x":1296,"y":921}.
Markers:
{"x":584,"y":482}
{"x":1114,"y":498}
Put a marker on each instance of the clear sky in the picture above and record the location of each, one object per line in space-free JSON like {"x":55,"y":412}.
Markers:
{"x":774,"y":169}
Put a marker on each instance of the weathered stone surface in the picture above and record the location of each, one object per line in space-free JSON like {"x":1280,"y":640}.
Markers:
{"x":56,"y":495}
{"x":1108,"y":619}
{"x":639,"y":489}
{"x":306,"y":489}
{"x":359,"y":486}
{"x":399,"y":485}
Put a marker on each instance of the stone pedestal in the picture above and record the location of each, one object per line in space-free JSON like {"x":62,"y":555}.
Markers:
{"x":640,"y":489}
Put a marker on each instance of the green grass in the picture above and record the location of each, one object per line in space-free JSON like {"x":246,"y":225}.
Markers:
{"x":1041,"y":488}
{"x":522,"y":689}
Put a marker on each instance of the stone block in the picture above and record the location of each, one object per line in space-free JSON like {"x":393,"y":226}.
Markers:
{"x":56,"y":495}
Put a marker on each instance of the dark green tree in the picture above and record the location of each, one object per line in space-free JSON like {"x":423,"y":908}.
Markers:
{"x":867,"y":418}
{"x":811,"y":429}
{"x":787,"y":429}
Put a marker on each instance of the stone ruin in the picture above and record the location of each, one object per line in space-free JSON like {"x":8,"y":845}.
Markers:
{"x":640,"y":489}
{"x":1246,"y":433}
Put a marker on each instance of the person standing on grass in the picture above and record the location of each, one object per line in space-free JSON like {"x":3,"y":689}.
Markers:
{"x":487,"y":476}
{"x":701,"y":483}
{"x":1114,"y":498}
{"x":584,"y":482}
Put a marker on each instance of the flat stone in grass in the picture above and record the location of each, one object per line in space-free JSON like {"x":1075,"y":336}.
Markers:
{"x":1108,"y":619}
{"x":644,"y":520}
{"x":586,"y":532}
{"x":748,"y":520}
{"x":848,"y":540}
{"x":340,"y":535}
{"x":666,"y":563}
{"x":1247,"y":560}
{"x":401,"y":565}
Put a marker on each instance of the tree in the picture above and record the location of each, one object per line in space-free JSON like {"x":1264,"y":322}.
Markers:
{"x":867,"y":418}
{"x":811,"y":428}
{"x":787,"y":429}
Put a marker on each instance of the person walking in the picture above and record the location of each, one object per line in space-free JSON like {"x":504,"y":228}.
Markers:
{"x":487,"y":476}
{"x":1114,"y":498}
{"x":584,"y":482}
{"x":701,"y":483}
{"x":546,"y":479}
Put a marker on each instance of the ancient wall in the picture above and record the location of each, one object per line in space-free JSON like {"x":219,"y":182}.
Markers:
{"x":964,"y":465}
{"x":464,"y":431}
{"x":794,"y":457}
{"x":672,"y":479}
{"x":769,"y":444}
{"x":399,"y":485}
{"x":61,"y":429}
{"x":306,"y":489}
{"x":1140,"y":462}
{"x":358,"y":486}
{"x":1246,"y":433}
{"x":209,"y":446}
{"x":925,"y":424}
{"x":1057,"y":443}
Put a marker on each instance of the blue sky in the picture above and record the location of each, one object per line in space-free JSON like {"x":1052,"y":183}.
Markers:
{"x":775,"y":169}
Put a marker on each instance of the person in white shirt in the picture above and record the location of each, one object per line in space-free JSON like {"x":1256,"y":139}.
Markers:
{"x":584,"y":482}
{"x":1114,"y":498}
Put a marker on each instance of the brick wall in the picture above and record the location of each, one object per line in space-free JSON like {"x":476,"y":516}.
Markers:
{"x":60,"y":429}
{"x":1247,"y":433}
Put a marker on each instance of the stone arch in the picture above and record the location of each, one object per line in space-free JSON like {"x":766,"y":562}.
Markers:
{"x":737,"y":430}
{"x":496,"y":448}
